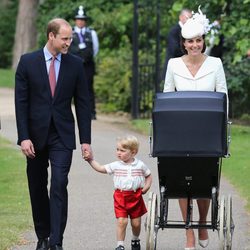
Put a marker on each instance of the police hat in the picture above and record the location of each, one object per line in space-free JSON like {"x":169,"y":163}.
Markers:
{"x":81,"y":13}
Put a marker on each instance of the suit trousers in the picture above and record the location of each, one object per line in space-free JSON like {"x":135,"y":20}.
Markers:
{"x":50,"y":210}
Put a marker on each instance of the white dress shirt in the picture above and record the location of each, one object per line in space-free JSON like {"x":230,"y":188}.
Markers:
{"x":48,"y":58}
{"x":128,"y":176}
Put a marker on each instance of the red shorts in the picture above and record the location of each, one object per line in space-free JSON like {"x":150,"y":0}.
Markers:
{"x":129,"y":203}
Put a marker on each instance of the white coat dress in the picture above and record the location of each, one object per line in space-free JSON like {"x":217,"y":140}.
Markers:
{"x":210,"y":76}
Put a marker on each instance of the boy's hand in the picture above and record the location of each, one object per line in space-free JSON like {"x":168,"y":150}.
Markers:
{"x":86,"y":152}
{"x":87,"y":156}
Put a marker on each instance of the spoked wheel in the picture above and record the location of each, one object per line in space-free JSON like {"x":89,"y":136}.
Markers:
{"x":222,"y":224}
{"x":151,"y":224}
{"x":154,"y":228}
{"x":163,"y":211}
{"x":148,"y":218}
{"x":229,"y":223}
{"x":214,"y":210}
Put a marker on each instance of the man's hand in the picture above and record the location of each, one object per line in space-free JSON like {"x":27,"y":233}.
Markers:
{"x":86,"y":156}
{"x":28,"y":148}
{"x":87,"y":152}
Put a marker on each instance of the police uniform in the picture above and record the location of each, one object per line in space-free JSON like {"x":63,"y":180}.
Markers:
{"x":85,"y":45}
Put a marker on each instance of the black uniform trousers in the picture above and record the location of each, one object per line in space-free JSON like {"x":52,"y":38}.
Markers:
{"x":50,"y":210}
{"x":89,"y":69}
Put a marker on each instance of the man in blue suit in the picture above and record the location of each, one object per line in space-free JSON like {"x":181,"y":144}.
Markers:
{"x":46,"y":127}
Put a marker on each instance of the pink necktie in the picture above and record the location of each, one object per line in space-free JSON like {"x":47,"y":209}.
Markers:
{"x":52,"y":76}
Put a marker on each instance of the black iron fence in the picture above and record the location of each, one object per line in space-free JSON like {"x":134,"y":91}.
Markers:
{"x":146,"y":52}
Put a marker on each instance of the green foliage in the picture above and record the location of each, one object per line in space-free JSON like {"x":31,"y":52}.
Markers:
{"x":112,"y":82}
{"x":238,"y":82}
{"x":113,"y":21}
{"x":235,"y":27}
{"x":245,"y":119}
{"x":7,"y":32}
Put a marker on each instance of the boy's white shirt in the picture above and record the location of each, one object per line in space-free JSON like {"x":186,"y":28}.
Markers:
{"x":128,"y":176}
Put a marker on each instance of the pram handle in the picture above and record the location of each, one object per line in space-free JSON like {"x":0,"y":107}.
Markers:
{"x":150,"y":139}
{"x":229,"y":123}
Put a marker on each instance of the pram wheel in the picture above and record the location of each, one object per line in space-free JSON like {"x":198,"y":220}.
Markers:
{"x":222,"y":223}
{"x":163,"y":211}
{"x":151,"y":222}
{"x":229,"y":223}
{"x":148,"y":218}
{"x":226,"y":225}
{"x":214,"y":210}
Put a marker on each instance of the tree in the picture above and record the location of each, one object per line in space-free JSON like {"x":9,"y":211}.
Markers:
{"x":26,"y":32}
{"x":8,"y":11}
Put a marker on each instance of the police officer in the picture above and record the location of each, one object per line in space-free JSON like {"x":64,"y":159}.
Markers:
{"x":85,"y":45}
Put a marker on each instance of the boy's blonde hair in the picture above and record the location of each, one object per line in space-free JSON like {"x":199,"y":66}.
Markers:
{"x":129,"y":142}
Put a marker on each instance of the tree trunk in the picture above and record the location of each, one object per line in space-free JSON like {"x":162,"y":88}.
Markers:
{"x":4,"y":3}
{"x":26,"y":32}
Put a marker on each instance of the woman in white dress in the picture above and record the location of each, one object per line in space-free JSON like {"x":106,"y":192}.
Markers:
{"x":195,"y":71}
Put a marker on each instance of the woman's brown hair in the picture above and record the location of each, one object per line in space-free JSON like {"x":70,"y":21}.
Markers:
{"x":183,"y":47}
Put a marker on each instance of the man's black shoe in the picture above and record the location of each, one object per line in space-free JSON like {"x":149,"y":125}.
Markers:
{"x":56,"y":247}
{"x":42,"y":244}
{"x":120,"y":247}
{"x":135,"y":245}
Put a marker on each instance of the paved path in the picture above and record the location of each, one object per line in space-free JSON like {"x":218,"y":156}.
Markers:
{"x":91,"y":223}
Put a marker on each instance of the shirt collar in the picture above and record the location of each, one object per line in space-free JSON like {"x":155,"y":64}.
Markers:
{"x":79,"y":30}
{"x":132,"y":163}
{"x":181,"y":24}
{"x":48,"y":55}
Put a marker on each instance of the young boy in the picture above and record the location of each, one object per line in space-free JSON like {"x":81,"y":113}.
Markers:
{"x":132,"y":178}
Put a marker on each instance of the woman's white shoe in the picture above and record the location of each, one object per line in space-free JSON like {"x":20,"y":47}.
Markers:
{"x":203,"y":243}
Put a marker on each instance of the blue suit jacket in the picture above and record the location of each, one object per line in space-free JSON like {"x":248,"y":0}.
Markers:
{"x":173,"y":46}
{"x":35,"y":107}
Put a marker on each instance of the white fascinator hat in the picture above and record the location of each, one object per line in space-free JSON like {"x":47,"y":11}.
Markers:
{"x":197,"y":25}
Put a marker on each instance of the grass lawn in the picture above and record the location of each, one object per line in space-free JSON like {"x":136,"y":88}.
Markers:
{"x":15,"y":212}
{"x":7,"y":78}
{"x":236,"y":168}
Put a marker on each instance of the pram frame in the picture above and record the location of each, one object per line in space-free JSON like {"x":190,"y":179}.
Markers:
{"x":221,"y":211}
